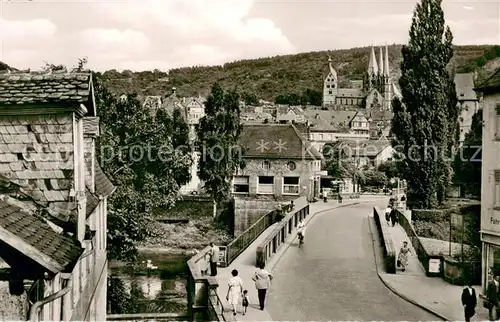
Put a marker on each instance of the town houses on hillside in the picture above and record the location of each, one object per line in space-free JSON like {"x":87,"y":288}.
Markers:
{"x":53,"y":198}
{"x":192,"y":110}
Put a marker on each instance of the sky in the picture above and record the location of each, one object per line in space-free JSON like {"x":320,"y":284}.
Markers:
{"x":163,"y":34}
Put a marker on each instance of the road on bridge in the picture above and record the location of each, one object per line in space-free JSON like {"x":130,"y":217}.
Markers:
{"x":334,"y":276}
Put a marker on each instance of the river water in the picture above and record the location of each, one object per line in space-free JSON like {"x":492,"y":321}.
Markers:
{"x":157,"y":283}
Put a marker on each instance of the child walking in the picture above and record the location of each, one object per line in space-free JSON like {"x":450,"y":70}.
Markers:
{"x":245,"y":301}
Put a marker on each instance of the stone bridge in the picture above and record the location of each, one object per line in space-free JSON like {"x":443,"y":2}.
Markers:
{"x":333,"y":277}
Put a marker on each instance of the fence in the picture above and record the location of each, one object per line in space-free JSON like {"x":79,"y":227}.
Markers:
{"x":240,"y":243}
{"x":272,"y":243}
{"x":147,"y":317}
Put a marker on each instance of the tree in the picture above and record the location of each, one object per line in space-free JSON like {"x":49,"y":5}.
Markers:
{"x":218,"y":133}
{"x":250,"y":98}
{"x":467,"y":163}
{"x":389,"y":168}
{"x":374,"y":178}
{"x":140,"y":152}
{"x":425,"y":121}
{"x":339,"y":162}
{"x":117,"y":296}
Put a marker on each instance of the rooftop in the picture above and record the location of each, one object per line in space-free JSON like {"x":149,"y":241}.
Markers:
{"x":275,"y":141}
{"x":464,"y":85}
{"x":20,"y":229}
{"x":328,"y":120}
{"x":492,"y":84}
{"x":25,"y":88}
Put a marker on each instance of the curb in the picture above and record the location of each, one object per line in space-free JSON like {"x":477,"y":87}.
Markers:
{"x":392,"y":289}
{"x":288,"y":244}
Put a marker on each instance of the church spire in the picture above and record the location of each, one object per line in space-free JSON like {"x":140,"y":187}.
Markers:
{"x":381,"y":63}
{"x":372,"y":65}
{"x":330,"y":67}
{"x":386,"y":62}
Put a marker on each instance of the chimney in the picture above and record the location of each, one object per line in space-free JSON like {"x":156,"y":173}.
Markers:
{"x":90,"y":132}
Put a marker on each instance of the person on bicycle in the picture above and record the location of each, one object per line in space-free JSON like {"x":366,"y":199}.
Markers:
{"x":301,"y":230}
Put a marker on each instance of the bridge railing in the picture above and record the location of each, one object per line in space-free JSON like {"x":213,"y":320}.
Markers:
{"x":203,"y":302}
{"x":240,"y":243}
{"x":287,"y":226}
{"x":147,"y":317}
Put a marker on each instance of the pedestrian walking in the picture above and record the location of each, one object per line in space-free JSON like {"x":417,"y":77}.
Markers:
{"x":394,"y":216}
{"x":262,"y":279}
{"x":388,"y":215}
{"x":235,"y":290}
{"x":469,"y":301}
{"x":491,"y":301}
{"x":403,"y":256}
{"x":245,"y":302}
{"x":214,"y":259}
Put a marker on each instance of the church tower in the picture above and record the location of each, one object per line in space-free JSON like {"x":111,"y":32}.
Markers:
{"x":387,"y":81}
{"x":372,"y":74}
{"x":330,"y":85}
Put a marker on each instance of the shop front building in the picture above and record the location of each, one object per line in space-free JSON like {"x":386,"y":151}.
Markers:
{"x":490,"y":177}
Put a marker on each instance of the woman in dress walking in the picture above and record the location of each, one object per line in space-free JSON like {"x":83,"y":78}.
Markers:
{"x":235,"y":290}
{"x":403,"y":255}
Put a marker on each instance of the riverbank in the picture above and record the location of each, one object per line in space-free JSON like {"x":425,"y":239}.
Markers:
{"x":185,"y":237}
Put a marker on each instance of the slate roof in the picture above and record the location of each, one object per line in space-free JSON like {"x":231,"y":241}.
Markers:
{"x":329,"y":120}
{"x":492,"y":84}
{"x":464,"y":85}
{"x":91,"y":126}
{"x":350,"y":93}
{"x":46,"y":88}
{"x":36,"y":232}
{"x":275,"y":141}
{"x":367,"y":148}
{"x":92,"y":202}
{"x":103,"y":186}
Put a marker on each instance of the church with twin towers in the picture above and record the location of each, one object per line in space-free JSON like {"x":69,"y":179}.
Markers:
{"x":375,"y":90}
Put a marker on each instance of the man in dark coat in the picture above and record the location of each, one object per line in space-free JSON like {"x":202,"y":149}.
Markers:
{"x":492,"y":298}
{"x":469,"y":301}
{"x":394,"y":216}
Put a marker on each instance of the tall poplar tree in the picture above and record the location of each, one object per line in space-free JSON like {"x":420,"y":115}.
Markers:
{"x":425,"y":120}
{"x":218,"y":133}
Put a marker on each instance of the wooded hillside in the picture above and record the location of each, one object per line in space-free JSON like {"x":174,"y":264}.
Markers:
{"x":269,"y":77}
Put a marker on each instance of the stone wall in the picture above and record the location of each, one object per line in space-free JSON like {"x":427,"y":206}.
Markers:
{"x":12,"y":308}
{"x":248,"y":210}
{"x":252,"y":206}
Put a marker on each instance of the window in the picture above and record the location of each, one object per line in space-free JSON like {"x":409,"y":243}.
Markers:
{"x":320,"y":137}
{"x":266,"y":185}
{"x":241,"y":184}
{"x":497,"y":110}
{"x":327,"y":86}
{"x":496,"y":198}
{"x":291,"y":166}
{"x":330,"y":92}
{"x":266,"y":165}
{"x":291,"y":185}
